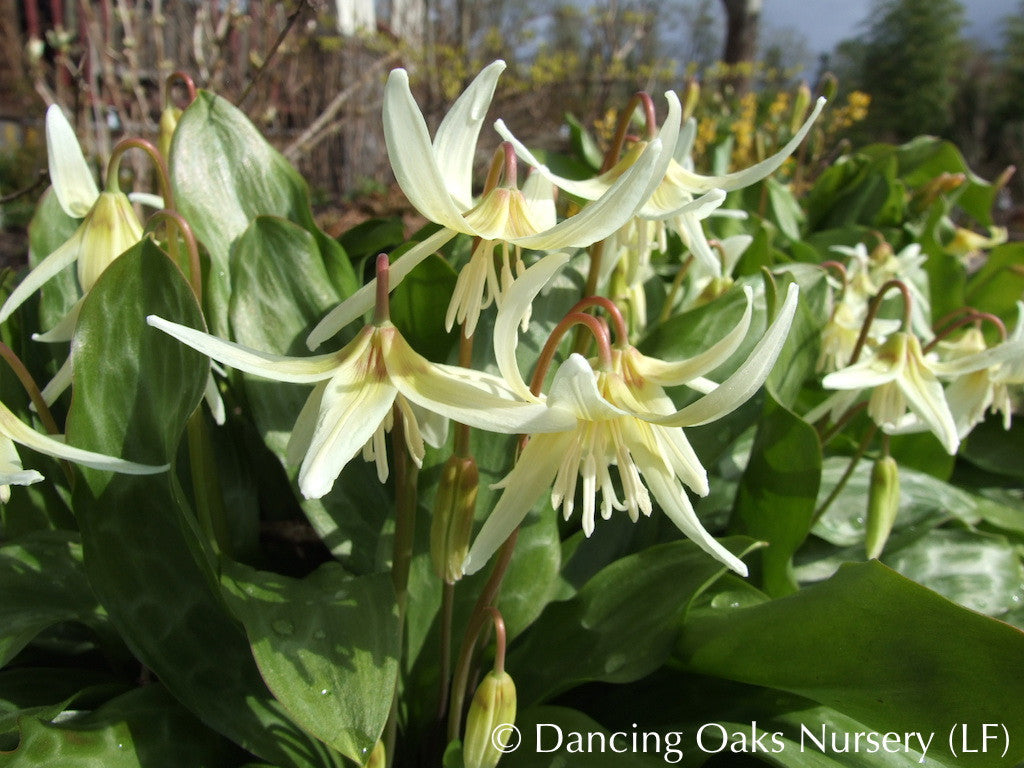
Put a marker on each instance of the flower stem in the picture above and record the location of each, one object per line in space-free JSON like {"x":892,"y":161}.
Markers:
{"x":847,"y":474}
{"x":182,"y":77}
{"x":873,"y":312}
{"x":195,"y":271}
{"x":163,"y":177}
{"x":597,"y":328}
{"x":609,"y":306}
{"x":30,"y":386}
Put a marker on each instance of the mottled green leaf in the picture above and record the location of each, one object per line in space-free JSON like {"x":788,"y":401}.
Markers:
{"x":327,"y":645}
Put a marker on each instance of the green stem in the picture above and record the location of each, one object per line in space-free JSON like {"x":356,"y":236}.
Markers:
{"x":854,"y":461}
{"x":195,"y":270}
{"x":114,"y":167}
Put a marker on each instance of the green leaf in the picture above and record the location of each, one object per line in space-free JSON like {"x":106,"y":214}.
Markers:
{"x":799,"y":356}
{"x":876,"y":647}
{"x":49,"y":229}
{"x":42,"y":583}
{"x":145,"y":728}
{"x":999,"y":284}
{"x":277,"y":273}
{"x":134,"y":387}
{"x":776,"y":496}
{"x":371,"y":237}
{"x":785,"y":210}
{"x":225,"y":174}
{"x":620,"y":626}
{"x":583,"y":144}
{"x":995,"y":449}
{"x":327,"y":645}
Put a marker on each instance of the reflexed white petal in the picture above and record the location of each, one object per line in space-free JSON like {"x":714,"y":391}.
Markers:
{"x":65,"y":327}
{"x":299,"y":370}
{"x":665,"y":205}
{"x":11,"y":470}
{"x":455,"y":141}
{"x":351,"y":410}
{"x":606,"y":214}
{"x":214,"y":401}
{"x":11,"y":426}
{"x":517,"y":302}
{"x":145,"y":198}
{"x":469,"y":397}
{"x":575,"y":390}
{"x":412,"y":155}
{"x":433,"y":426}
{"x":674,"y":503}
{"x":746,"y":380}
{"x":305,"y":425}
{"x":865,"y":374}
{"x":673,"y":374}
{"x":1005,"y":352}
{"x":691,"y":231}
{"x":362,"y":300}
{"x":538,"y":194}
{"x":44,"y":270}
{"x":748,"y":176}
{"x":61,"y":381}
{"x":524,"y":485}
{"x":70,"y":174}
{"x":926,"y":399}
{"x":684,"y":144}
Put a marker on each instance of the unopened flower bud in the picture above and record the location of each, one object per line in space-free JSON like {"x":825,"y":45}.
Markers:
{"x":108,"y":230}
{"x":883,"y":504}
{"x":168,"y":122}
{"x":489,"y":722}
{"x":800,"y":105}
{"x":376,"y":756}
{"x":452,"y":524}
{"x":714,"y":289}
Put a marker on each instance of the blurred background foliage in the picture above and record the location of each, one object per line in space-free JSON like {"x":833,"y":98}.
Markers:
{"x":309,"y":72}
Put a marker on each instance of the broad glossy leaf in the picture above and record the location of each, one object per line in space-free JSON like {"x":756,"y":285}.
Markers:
{"x":42,"y":583}
{"x":977,"y":571}
{"x":225,"y":174}
{"x":877,"y":647}
{"x":327,"y":645}
{"x":995,"y":449}
{"x":277,"y":273}
{"x":776,"y":496}
{"x":620,"y":626}
{"x":999,"y":284}
{"x":134,"y":387}
{"x":45,"y":692}
{"x":145,"y":728}
{"x":799,"y":355}
{"x":368,"y":238}
{"x":785,"y":210}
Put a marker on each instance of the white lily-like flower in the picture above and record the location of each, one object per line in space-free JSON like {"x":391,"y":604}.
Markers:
{"x":436,"y":177}
{"x":682,"y":198}
{"x":350,"y":409}
{"x":899,"y":378}
{"x":620,"y":416}
{"x":14,"y":430}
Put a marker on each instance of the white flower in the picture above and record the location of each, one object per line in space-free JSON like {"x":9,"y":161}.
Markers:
{"x":899,"y":378}
{"x":620,"y":416}
{"x":350,"y":409}
{"x":436,"y":177}
{"x":13,"y":430}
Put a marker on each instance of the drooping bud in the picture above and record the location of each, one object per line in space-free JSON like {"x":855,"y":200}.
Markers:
{"x":452,"y":524}
{"x":800,"y":105}
{"x":489,"y":722}
{"x":883,"y":504}
{"x":377,"y":756}
{"x":108,"y":230}
{"x":168,"y":122}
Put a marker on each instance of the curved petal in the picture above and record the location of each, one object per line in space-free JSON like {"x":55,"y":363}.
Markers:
{"x":667,"y":202}
{"x":305,"y":425}
{"x":456,"y":137}
{"x":575,"y":390}
{"x":1001,"y":353}
{"x":739,"y":179}
{"x":674,"y":374}
{"x":214,"y":401}
{"x":469,"y":397}
{"x":676,"y":505}
{"x":868,"y":373}
{"x":587,"y":189}
{"x":363,"y":300}
{"x":148,"y":199}
{"x":926,"y":399}
{"x":684,"y":144}
{"x":539,"y":199}
{"x":65,"y":327}
{"x":63,"y":257}
{"x":602,"y":217}
{"x":746,"y":380}
{"x":11,"y":426}
{"x":529,"y":479}
{"x":412,"y":155}
{"x":56,"y":386}
{"x":515,"y":305}
{"x":352,"y":407}
{"x":70,"y":174}
{"x":299,"y":370}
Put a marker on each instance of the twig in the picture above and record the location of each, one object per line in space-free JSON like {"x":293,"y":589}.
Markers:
{"x":292,"y":20}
